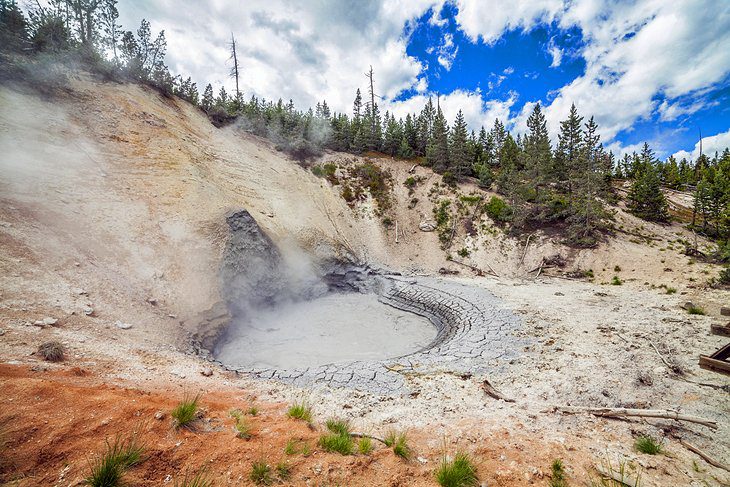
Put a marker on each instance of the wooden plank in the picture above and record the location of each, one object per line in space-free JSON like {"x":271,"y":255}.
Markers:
{"x":714,"y":365}
{"x":720,"y":330}
{"x":722,"y":354}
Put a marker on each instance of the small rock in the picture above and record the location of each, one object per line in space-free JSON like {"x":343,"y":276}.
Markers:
{"x":2,"y":332}
{"x":47,"y":321}
{"x":207,"y":372}
{"x":559,"y":294}
{"x":159,"y":415}
{"x":123,"y":326}
{"x":688,"y":305}
{"x":152,"y":301}
{"x":427,"y":226}
{"x":725,"y":311}
{"x":81,"y":292}
{"x":422,"y":460}
{"x":88,"y":311}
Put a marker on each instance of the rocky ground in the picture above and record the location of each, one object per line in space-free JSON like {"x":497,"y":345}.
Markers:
{"x":112,"y":228}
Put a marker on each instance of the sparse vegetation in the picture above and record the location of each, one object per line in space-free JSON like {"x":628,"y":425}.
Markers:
{"x":399,"y":443}
{"x":197,"y":479}
{"x":253,"y":411}
{"x":459,"y":472}
{"x":498,"y":210}
{"x":283,"y":471}
{"x":186,"y":412}
{"x":261,"y":473}
{"x":52,"y":351}
{"x":695,"y":310}
{"x":365,"y":445}
{"x":108,"y":468}
{"x":333,"y":442}
{"x":616,"y":281}
{"x":649,"y":445}
{"x":557,"y":475}
{"x":338,"y":426}
{"x":242,"y":426}
{"x":300,"y":410}
{"x":625,"y":473}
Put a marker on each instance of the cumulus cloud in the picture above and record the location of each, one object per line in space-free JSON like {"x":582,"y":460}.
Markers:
{"x":635,"y":52}
{"x":447,"y":52}
{"x":307,"y":51}
{"x":710,"y":145}
{"x":555,"y":53}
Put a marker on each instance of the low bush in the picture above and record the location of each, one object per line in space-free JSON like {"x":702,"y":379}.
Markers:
{"x":616,"y":281}
{"x":557,"y":476}
{"x":499,"y":211}
{"x":695,"y":310}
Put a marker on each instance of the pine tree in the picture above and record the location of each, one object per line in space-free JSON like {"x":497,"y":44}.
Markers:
{"x":13,"y":26}
{"x":570,"y":146}
{"x":538,"y":153}
{"x":207,"y":101}
{"x":459,"y":158}
{"x":645,"y":198}
{"x":437,"y":155}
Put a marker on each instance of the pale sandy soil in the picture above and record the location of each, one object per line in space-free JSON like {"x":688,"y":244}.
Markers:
{"x":112,"y":195}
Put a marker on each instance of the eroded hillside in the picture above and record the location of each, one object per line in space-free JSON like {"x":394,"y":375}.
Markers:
{"x":113,"y":226}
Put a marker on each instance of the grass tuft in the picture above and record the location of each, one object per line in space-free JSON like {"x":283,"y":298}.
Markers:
{"x":616,"y":281}
{"x":649,"y":445}
{"x":399,"y":443}
{"x":186,"y":412}
{"x":459,"y":472}
{"x":283,"y":471}
{"x":365,"y":446}
{"x":198,"y":479}
{"x":338,"y":426}
{"x":300,"y":410}
{"x":695,"y":310}
{"x":261,"y":473}
{"x":52,"y":351}
{"x":557,"y":477}
{"x":108,"y":468}
{"x":253,"y":411}
{"x":333,"y":442}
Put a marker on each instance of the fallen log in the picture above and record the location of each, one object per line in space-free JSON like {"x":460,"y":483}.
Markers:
{"x":642,"y":413}
{"x":704,"y":456}
{"x":491,"y":391}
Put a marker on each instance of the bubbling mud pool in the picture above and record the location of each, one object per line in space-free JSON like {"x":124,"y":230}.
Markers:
{"x":337,"y":327}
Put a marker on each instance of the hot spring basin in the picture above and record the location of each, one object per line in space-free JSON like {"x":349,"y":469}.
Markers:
{"x":330,"y":329}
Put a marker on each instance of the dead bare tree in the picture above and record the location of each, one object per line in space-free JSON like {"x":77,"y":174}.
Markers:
{"x":234,"y":71}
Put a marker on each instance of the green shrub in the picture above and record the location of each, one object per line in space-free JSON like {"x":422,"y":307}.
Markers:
{"x":464,"y":252}
{"x":261,"y":473}
{"x":724,"y":277}
{"x":186,"y":412}
{"x":617,"y":268}
{"x":399,"y":443}
{"x":498,"y":210}
{"x":459,"y":472}
{"x":647,"y":444}
{"x":243,"y":428}
{"x":616,"y":281}
{"x":283,"y":471}
{"x":300,"y":410}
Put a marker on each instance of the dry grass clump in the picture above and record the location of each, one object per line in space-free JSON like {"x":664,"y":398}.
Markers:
{"x":52,"y":351}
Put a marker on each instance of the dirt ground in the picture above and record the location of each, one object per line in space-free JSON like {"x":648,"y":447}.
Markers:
{"x":113,"y":200}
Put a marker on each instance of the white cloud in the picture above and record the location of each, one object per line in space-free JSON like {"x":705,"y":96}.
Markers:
{"x":555,"y":53}
{"x":307,"y":51}
{"x":447,"y":52}
{"x":488,"y":19}
{"x":477,"y":111}
{"x":710,"y":145}
{"x":635,"y":52}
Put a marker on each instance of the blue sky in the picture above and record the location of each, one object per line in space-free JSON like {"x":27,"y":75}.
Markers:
{"x":648,"y":70}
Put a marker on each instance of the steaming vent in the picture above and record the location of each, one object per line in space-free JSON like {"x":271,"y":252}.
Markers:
{"x":291,"y":313}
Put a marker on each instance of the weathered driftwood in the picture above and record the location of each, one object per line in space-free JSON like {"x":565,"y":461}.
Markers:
{"x":491,"y":391}
{"x":704,"y":456}
{"x":643,"y":413}
{"x":621,"y":477}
